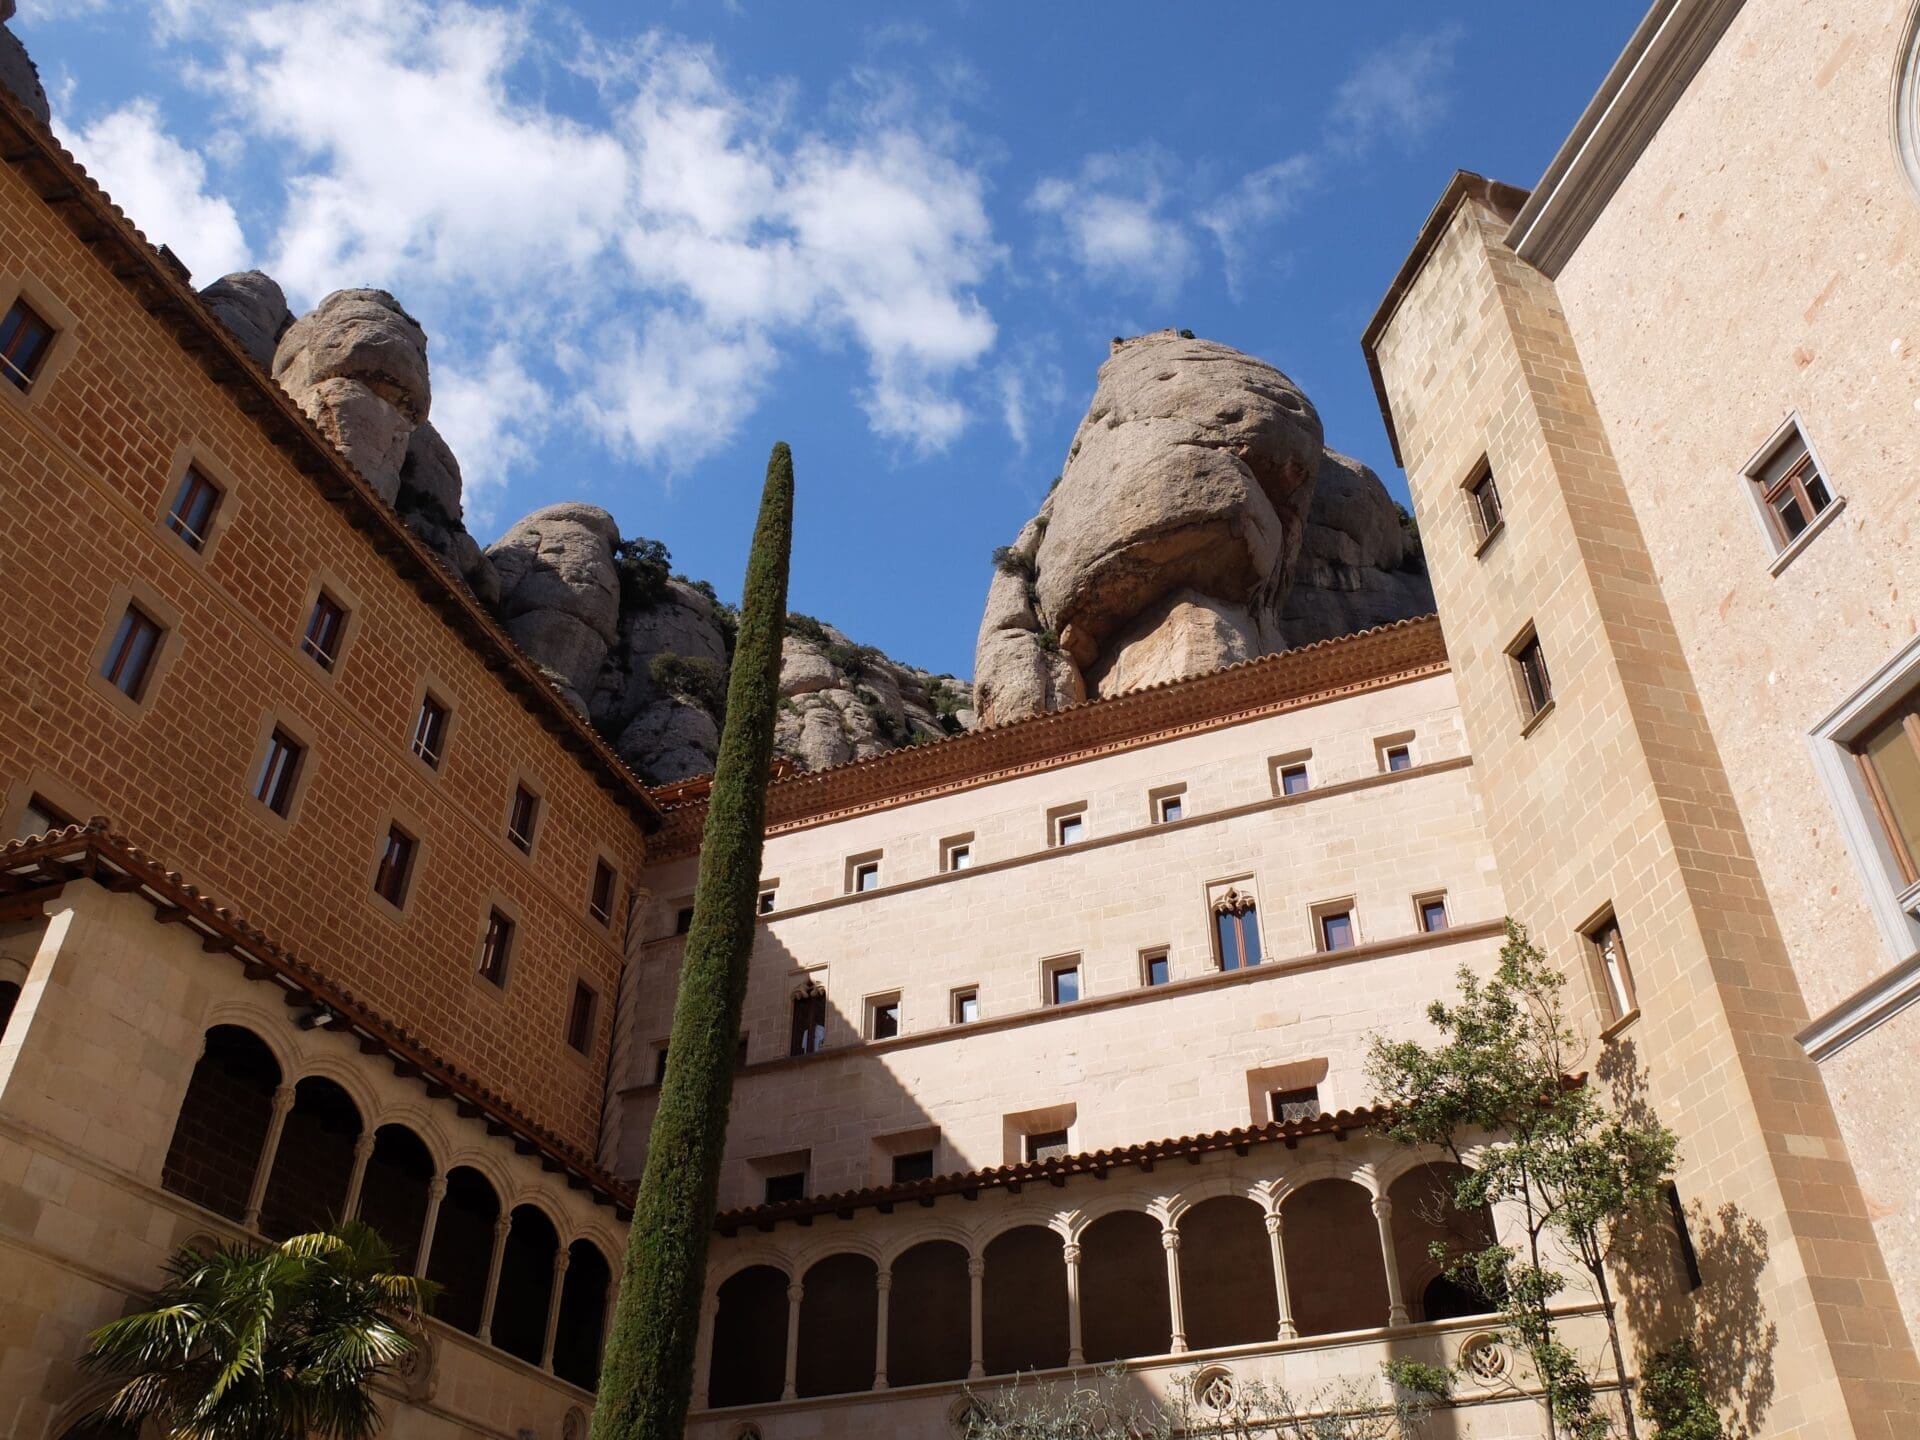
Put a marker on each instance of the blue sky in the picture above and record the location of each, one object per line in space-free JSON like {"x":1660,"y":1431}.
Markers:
{"x":647,"y":241}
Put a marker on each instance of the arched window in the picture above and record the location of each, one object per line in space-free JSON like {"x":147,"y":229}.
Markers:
{"x":1124,"y":1311}
{"x":1425,"y":1221}
{"x":1335,"y":1275}
{"x":1023,"y":1302}
{"x":223,"y":1122}
{"x":1226,"y":1274}
{"x":749,"y":1365}
{"x":929,"y":1320}
{"x":463,"y":1248}
{"x":1236,"y":927}
{"x":583,"y":1314}
{"x":526,"y":1284}
{"x":314,"y":1164}
{"x":393,"y":1197}
{"x":839,"y":1321}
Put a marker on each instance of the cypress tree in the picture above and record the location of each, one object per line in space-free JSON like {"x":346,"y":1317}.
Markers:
{"x":646,"y":1378}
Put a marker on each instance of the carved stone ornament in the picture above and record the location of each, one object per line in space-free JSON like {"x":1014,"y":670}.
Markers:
{"x":1485,"y":1358}
{"x":1233,"y":903}
{"x":1213,"y":1389}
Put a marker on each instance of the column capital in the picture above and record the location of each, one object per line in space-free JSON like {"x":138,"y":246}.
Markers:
{"x":1070,"y":1253}
{"x":1382,"y":1208}
{"x":796,"y":1292}
{"x":501,"y":1227}
{"x":1170,"y":1239}
{"x":363,"y":1145}
{"x":437,"y":1188}
{"x":283,"y":1097}
{"x":976,"y":1266}
{"x":562,"y":1258}
{"x":1273,"y":1222}
{"x":883,"y":1280}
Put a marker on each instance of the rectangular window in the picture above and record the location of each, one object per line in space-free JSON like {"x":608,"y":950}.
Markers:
{"x":1610,"y":956}
{"x":1302,"y":1104}
{"x":496,"y":949}
{"x":520,"y":820}
{"x":193,"y":505}
{"x":1397,"y":757}
{"x":784,"y":1188}
{"x":1153,"y":968}
{"x":1683,"y":1235}
{"x":1063,"y":984}
{"x":765,"y":903}
{"x":1335,"y":929}
{"x":1485,"y":495}
{"x":1530,"y":667}
{"x":883,"y":1018}
{"x":660,"y":1063}
{"x":1889,"y":759}
{"x":600,"y":899}
{"x":430,"y":731}
{"x":580,"y":1018}
{"x":740,"y":1051}
{"x":1169,"y":808}
{"x":396,"y":867}
{"x":1791,"y":488}
{"x":25,"y":339}
{"x":324,"y":629}
{"x":1069,"y":829}
{"x":130,"y":657}
{"x":1293,"y":779}
{"x":1433,"y":913}
{"x":683,"y":920}
{"x":957,"y":853}
{"x":1236,"y":930}
{"x":1046,"y":1145}
{"x":809,"y":1036}
{"x":866,"y":876}
{"x":914,"y":1165}
{"x":966,"y":1006}
{"x":278,"y":772}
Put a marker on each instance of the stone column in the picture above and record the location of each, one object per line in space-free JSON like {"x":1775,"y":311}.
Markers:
{"x":796,"y":1292}
{"x":500,"y":1229}
{"x":976,"y":1273}
{"x":1170,"y":1242}
{"x":362,"y":1153}
{"x":436,"y":1192}
{"x":562,"y":1258}
{"x":1283,"y":1299}
{"x":882,"y":1288}
{"x":1075,"y":1355}
{"x":702,"y":1343}
{"x":1396,"y":1303}
{"x":282,"y":1104}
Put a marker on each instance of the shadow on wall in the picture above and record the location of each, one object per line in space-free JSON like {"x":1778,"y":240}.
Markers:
{"x":1694,"y":1273}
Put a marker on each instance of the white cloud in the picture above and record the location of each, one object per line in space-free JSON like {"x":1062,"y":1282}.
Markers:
{"x":1398,"y":92}
{"x":1111,"y":219}
{"x":1028,"y":388}
{"x":162,"y":186}
{"x":492,"y":417}
{"x":1240,"y":218}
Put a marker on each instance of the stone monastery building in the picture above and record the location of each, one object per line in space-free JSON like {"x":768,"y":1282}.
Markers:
{"x":1053,"y":1053}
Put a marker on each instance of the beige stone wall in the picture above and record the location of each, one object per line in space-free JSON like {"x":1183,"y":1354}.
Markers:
{"x":93,"y":1067}
{"x":1617,"y":797}
{"x":1708,"y":302}
{"x":1132,"y":1064}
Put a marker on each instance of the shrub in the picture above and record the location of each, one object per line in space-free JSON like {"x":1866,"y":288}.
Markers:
{"x":644,"y":567}
{"x":1186,"y":334}
{"x":1047,"y":641}
{"x":1674,"y":1398}
{"x":693,"y":677}
{"x":1010,"y":561}
{"x":877,"y":711}
{"x":806,"y":628}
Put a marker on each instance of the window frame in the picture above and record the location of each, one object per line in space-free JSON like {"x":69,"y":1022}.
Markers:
{"x":24,"y":289}
{"x":599,"y":911}
{"x":956,"y":853}
{"x":111,"y":669}
{"x":1238,"y":899}
{"x":1163,"y":956}
{"x":326,"y":650}
{"x":135,"y":595}
{"x":524,"y":841}
{"x":867,"y":862}
{"x":768,"y":1182}
{"x":285,"y":783}
{"x":494,"y":968}
{"x":880,"y":1010}
{"x":1059,"y":818}
{"x":1535,"y":700}
{"x":1030,"y":1147}
{"x":1280,"y":768}
{"x":1784,"y":547}
{"x":1051,"y":971}
{"x":1488,"y":521}
{"x":432,"y":760}
{"x":577,"y":1022}
{"x":957,"y":999}
{"x":912,"y":1155}
{"x":23,"y":377}
{"x":1278,"y":1099}
{"x":1342,"y":908}
{"x":814,"y":995}
{"x":1619,"y":995}
{"x":193,"y":486}
{"x":408,"y":870}
{"x":767,"y":900}
{"x":1422,"y":902}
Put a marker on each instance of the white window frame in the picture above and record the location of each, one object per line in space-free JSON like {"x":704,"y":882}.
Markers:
{"x":1784,"y":553}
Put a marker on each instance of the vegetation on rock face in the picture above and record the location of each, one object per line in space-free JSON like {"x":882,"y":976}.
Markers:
{"x":1010,"y":560}
{"x":1578,"y":1175}
{"x":644,"y":566}
{"x":646,"y":1377}
{"x":279,"y":1343}
{"x":694,"y":677}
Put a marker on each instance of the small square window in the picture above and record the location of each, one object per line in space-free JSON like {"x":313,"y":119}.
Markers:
{"x":740,"y":1051}
{"x":1069,"y":829}
{"x":912,"y":1166}
{"x":1433,"y":913}
{"x":883,"y":1017}
{"x":1530,"y":673}
{"x":966,"y":1006}
{"x":430,"y":731}
{"x":194,"y":504}
{"x":683,"y":920}
{"x":1334,"y":928}
{"x":660,"y":1063}
{"x":600,"y":898}
{"x":396,"y":867}
{"x":1791,"y":489}
{"x":279,"y":772}
{"x":1169,"y":805}
{"x":522,"y":818}
{"x":781,"y":1189}
{"x":325,"y":627}
{"x":1291,"y":779}
{"x":580,"y":1018}
{"x":1397,"y":757}
{"x":863,"y":875}
{"x":1046,"y":1145}
{"x":1153,"y":968}
{"x":1063,"y":983}
{"x":1301,"y":1104}
{"x":765,"y":904}
{"x":129,"y":660}
{"x":496,"y":949}
{"x":1488,"y":516}
{"x":956,"y":853}
{"x":25,"y":339}
{"x":1610,"y":958}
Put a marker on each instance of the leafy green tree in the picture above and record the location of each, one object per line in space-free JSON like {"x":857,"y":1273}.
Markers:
{"x":646,"y":1377}
{"x":1565,"y":1164}
{"x":264,"y":1344}
{"x":1673,"y":1395}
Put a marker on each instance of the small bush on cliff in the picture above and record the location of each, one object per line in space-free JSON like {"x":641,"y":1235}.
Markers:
{"x":1010,"y":561}
{"x":695,"y":677}
{"x":645,"y":567}
{"x":807,"y":628}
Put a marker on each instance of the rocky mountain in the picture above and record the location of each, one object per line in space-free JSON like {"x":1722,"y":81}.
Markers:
{"x":18,"y":74}
{"x":1200,"y":520}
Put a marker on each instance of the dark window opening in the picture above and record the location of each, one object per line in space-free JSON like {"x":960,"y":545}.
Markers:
{"x":1433,"y":915}
{"x":1046,"y":1145}
{"x":766,"y":902}
{"x":1399,"y":757}
{"x":1536,"y":686}
{"x":1792,"y":489}
{"x":278,"y":772}
{"x":580,"y":1018}
{"x":884,"y":1023}
{"x":1156,"y":970}
{"x":1301,"y":1104}
{"x":600,"y":902}
{"x":25,"y":339}
{"x":783,"y":1188}
{"x":496,"y":949}
{"x":193,"y":505}
{"x":914,"y":1165}
{"x":1336,"y":930}
{"x":683,"y":920}
{"x":41,"y":817}
{"x":1689,"y":1257}
{"x":660,"y":1064}
{"x":430,"y":731}
{"x":396,"y":867}
{"x":809,"y":1022}
{"x":129,"y":660}
{"x":1293,"y":780}
{"x":1487,"y":513}
{"x":1063,"y":984}
{"x":324,"y":629}
{"x":1236,"y":929}
{"x":520,"y":822}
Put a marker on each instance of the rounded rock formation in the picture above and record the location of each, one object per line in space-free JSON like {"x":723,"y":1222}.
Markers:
{"x":560,"y":590}
{"x":18,"y":74}
{"x":251,"y":304}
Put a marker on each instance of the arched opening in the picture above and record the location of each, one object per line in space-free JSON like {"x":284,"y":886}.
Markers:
{"x":583,"y":1312}
{"x":929,"y":1315}
{"x":393,"y":1197}
{"x":308,"y":1187}
{"x":1425,"y":1216}
{"x":223,"y":1122}
{"x":1023,"y":1304}
{"x":463,"y":1248}
{"x":9,"y":998}
{"x":839,"y":1322}
{"x":1124,"y":1309}
{"x":526,"y":1284}
{"x":749,"y":1365}
{"x":1335,"y":1276}
{"x":1226,"y":1274}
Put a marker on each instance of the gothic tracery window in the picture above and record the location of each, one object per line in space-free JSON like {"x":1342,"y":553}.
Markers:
{"x":1236,"y":924}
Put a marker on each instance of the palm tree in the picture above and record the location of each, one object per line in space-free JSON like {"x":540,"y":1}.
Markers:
{"x":278,"y":1343}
